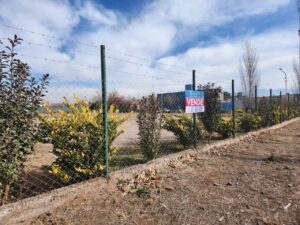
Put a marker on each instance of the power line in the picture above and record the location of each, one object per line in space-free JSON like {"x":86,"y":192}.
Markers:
{"x":147,"y":59}
{"x":141,"y":75}
{"x":96,"y":46}
{"x":143,"y":65}
{"x":55,"y":48}
{"x":158,"y":63}
{"x":60,"y":61}
{"x":48,"y":36}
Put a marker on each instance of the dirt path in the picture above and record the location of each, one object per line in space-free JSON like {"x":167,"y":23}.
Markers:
{"x":254,"y":182}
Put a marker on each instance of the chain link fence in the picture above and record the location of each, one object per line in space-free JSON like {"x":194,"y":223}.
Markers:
{"x":111,"y":110}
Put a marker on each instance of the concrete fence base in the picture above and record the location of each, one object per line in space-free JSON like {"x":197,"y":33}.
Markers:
{"x":34,"y":206}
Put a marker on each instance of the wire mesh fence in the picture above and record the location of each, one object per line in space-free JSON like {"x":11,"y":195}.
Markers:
{"x":107,"y":112}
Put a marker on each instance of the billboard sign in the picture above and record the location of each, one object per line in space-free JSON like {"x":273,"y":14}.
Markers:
{"x":194,"y":101}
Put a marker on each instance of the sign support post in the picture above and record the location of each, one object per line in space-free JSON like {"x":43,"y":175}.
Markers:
{"x":194,"y":114}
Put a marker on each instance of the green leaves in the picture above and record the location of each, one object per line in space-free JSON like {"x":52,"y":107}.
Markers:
{"x":149,"y":119}
{"x":20,"y":97}
{"x":77,"y":139}
{"x":212,"y":115}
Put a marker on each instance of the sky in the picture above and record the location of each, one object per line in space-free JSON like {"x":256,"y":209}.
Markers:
{"x":151,"y":45}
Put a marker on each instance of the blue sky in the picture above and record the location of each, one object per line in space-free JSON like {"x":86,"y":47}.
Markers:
{"x":152,"y":45}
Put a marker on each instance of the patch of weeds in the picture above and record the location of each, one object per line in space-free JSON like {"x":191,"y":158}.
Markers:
{"x":143,"y":192}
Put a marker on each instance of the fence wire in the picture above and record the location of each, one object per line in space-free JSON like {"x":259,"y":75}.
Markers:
{"x":146,"y":116}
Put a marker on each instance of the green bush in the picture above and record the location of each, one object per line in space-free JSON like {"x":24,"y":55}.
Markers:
{"x":149,"y":120}
{"x":211,"y":117}
{"x":20,"y":98}
{"x":248,"y":122}
{"x":181,"y":125}
{"x":226,"y":128}
{"x":77,"y":139}
{"x":275,"y":118}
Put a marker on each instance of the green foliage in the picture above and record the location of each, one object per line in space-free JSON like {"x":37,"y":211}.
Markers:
{"x":77,"y":139}
{"x":20,"y":97}
{"x":226,"y":128}
{"x":248,"y":122}
{"x":149,"y":119}
{"x":276,"y":114}
{"x":143,"y":192}
{"x":264,"y":111}
{"x":212,"y":115}
{"x":181,"y":125}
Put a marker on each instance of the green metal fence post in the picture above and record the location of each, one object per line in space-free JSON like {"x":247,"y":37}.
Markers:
{"x":288,"y":105}
{"x":255,"y":103}
{"x":194,"y":114}
{"x":233,"y":106}
{"x":271,"y":108}
{"x":104,"y":105}
{"x":298,"y":103}
{"x":280,"y":99}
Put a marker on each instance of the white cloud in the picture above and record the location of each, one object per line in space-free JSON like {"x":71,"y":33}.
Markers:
{"x":220,"y":61}
{"x":154,"y":32}
{"x":97,"y":15}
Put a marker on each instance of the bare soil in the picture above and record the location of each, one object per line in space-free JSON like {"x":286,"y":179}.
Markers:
{"x":254,"y":182}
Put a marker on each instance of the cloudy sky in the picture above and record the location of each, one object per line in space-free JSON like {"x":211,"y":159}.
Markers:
{"x":151,"y":45}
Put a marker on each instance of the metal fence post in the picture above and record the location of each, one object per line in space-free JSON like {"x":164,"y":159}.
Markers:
{"x":288,"y":105}
{"x":271,"y":108}
{"x":255,"y":103}
{"x":194,"y":114}
{"x":104,"y":105}
{"x":298,"y":103}
{"x":233,"y":106}
{"x":280,"y":99}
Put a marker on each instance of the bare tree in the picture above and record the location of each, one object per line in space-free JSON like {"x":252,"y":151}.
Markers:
{"x":297,"y":77}
{"x":249,"y":72}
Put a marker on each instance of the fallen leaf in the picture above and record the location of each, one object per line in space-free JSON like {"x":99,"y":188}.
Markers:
{"x":169,"y":188}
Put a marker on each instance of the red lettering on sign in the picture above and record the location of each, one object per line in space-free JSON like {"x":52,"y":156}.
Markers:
{"x":194,"y":101}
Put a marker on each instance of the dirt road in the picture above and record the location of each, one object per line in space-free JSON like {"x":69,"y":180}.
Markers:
{"x":253,"y":182}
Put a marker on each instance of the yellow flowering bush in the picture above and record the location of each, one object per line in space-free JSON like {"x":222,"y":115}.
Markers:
{"x":248,"y":122}
{"x":77,"y":139}
{"x":226,"y":128}
{"x":182,"y":126}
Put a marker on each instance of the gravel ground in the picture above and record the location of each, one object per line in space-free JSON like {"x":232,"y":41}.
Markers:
{"x":253,"y":182}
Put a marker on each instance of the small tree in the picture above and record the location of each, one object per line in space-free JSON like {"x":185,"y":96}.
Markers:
{"x":20,"y":97}
{"x":212,"y":115}
{"x":149,"y":119}
{"x":249,"y":73}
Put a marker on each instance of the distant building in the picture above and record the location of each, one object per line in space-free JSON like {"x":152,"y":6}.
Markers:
{"x":175,"y":101}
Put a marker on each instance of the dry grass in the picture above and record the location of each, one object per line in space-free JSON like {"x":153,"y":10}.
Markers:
{"x":231,"y":185}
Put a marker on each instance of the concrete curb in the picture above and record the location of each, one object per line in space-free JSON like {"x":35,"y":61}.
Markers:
{"x":34,"y":206}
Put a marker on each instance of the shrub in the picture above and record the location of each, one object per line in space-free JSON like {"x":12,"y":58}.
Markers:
{"x":149,"y":119}
{"x":275,"y":119}
{"x":212,"y":115}
{"x":264,"y":111}
{"x":120,"y":102}
{"x":226,"y":128}
{"x":248,"y":122}
{"x":77,"y":139}
{"x":181,"y":125}
{"x":20,"y":97}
